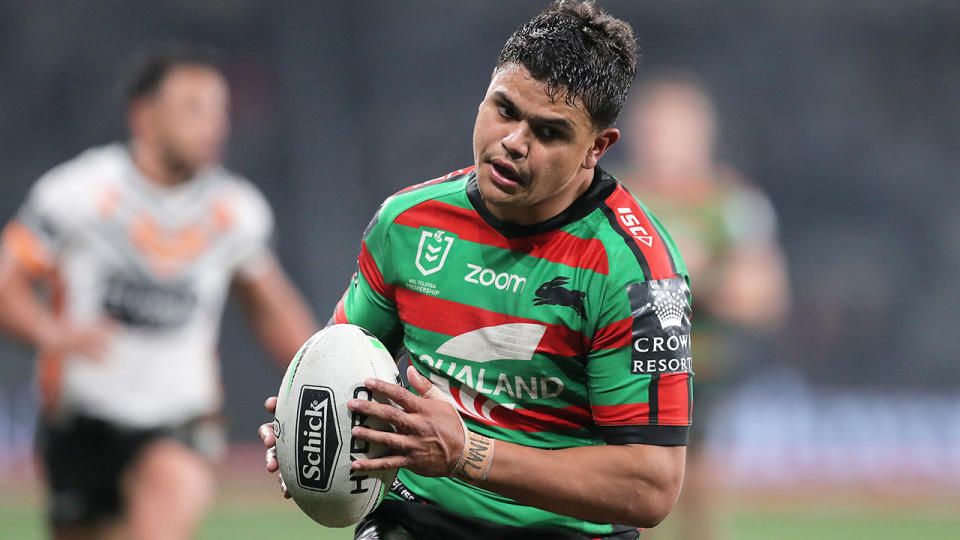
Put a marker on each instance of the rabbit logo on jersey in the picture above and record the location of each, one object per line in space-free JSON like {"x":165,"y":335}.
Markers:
{"x":433,"y":249}
{"x":661,"y":326}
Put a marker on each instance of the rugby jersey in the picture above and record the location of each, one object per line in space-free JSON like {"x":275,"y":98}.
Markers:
{"x":571,"y":332}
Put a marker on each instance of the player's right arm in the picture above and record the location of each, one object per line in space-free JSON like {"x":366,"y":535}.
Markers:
{"x":27,"y":257}
{"x":369,"y":301}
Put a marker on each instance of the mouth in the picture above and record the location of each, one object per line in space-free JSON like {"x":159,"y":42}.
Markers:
{"x":504,"y":173}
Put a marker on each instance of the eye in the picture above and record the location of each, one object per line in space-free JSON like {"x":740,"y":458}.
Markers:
{"x":505,"y":111}
{"x":547,"y":133}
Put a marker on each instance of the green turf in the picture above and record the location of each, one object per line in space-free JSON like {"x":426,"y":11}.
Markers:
{"x":238,"y":522}
{"x":843,"y":524}
{"x":21,"y":519}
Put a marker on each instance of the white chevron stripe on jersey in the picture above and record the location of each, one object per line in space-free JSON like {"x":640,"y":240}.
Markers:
{"x":512,"y":341}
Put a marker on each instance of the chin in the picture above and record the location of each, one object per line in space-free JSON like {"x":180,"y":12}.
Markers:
{"x":491,"y":194}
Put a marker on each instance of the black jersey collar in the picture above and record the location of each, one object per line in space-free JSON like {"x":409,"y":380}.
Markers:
{"x":600,"y":188}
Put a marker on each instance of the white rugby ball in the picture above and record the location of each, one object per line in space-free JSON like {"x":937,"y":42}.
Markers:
{"x":312,"y":425}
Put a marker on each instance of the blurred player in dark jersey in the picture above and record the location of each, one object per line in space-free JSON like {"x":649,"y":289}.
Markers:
{"x":138,"y":245}
{"x":726,"y":229}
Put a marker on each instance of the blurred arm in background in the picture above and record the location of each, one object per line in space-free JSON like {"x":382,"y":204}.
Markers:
{"x":275,"y":309}
{"x":27,"y":316}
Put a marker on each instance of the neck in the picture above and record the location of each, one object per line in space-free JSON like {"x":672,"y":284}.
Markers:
{"x":154,"y":167}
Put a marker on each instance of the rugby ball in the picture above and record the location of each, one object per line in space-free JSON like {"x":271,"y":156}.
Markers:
{"x":312,"y":425}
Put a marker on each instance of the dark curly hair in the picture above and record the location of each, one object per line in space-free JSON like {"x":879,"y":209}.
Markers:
{"x":147,"y":70}
{"x":576,"y":47}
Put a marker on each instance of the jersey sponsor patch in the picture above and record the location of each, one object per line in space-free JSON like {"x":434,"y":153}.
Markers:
{"x":144,"y":303}
{"x":660,"y":340}
{"x":318,"y":441}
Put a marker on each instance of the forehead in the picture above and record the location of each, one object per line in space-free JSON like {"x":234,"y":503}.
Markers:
{"x":672,"y":98}
{"x":530,"y":96}
{"x":186,"y":78}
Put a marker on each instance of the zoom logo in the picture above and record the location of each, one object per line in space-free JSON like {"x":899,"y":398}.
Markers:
{"x":318,"y":441}
{"x":487,"y":277}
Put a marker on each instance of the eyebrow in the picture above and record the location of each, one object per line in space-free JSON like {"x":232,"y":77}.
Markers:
{"x":555,"y":122}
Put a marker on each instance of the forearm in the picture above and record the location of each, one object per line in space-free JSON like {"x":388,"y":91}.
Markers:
{"x":277,"y":312}
{"x":284,"y":328}
{"x":22,"y":315}
{"x":625,"y":484}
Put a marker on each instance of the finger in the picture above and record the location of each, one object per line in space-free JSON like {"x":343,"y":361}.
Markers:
{"x":388,"y":462}
{"x":398,"y":394}
{"x":392,"y":415}
{"x":272,"y":464}
{"x":395,"y":441}
{"x":271,"y":404}
{"x":266,"y":434}
{"x":422,"y":385}
{"x":283,"y":487}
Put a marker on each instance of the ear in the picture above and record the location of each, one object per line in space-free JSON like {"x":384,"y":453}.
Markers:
{"x":601,"y":143}
{"x":137,"y":116}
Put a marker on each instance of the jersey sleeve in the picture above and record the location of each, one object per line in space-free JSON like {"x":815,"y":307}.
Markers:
{"x":370,"y":301}
{"x":256,"y":223}
{"x":640,"y":366}
{"x":41,"y":227}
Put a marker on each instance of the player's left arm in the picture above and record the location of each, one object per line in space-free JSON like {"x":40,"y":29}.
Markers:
{"x":275,"y":308}
{"x":634,"y":484}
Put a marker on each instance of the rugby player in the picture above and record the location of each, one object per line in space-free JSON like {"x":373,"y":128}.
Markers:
{"x":137,"y":245}
{"x":545,"y":312}
{"x":726,"y":229}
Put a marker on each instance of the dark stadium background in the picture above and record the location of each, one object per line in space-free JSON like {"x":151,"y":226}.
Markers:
{"x":846,"y":113}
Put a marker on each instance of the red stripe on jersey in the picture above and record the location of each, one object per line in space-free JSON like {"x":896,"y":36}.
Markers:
{"x":539,"y":418}
{"x":453,"y":318}
{"x":634,"y":221}
{"x":628,"y":414}
{"x":465,"y":170}
{"x":673,"y":395}
{"x":368,"y":267}
{"x":613,"y":335}
{"x":554,"y":246}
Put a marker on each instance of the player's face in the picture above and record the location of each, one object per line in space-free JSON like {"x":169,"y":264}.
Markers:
{"x":534,"y":155}
{"x":190,"y":118}
{"x":675,"y":129}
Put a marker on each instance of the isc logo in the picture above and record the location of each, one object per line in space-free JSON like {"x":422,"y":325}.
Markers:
{"x":487,"y":277}
{"x":318,"y":440}
{"x":632,"y":224}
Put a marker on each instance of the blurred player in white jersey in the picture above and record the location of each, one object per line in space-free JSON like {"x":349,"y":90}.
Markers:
{"x":134,"y":247}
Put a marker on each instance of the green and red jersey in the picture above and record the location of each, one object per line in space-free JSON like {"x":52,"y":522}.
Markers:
{"x":571,"y":332}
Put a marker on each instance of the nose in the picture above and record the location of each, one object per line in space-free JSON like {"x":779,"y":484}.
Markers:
{"x":516,"y":143}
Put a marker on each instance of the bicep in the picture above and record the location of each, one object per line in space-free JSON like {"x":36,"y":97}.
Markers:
{"x":668,"y":459}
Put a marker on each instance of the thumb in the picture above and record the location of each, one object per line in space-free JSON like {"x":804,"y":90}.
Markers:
{"x":422,"y":385}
